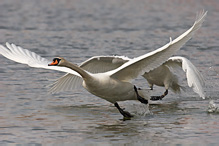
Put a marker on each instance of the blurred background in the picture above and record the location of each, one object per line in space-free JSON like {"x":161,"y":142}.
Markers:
{"x":80,"y":29}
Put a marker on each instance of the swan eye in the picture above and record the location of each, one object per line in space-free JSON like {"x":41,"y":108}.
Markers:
{"x":55,"y":62}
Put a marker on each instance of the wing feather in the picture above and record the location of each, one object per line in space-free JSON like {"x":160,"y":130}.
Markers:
{"x":100,"y":64}
{"x":138,"y":66}
{"x":66,"y":83}
{"x":24,"y":56}
{"x":194,"y":77}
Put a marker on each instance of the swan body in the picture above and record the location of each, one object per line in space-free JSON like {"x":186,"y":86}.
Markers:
{"x":114,"y":85}
{"x":110,"y":89}
{"x":102,"y":85}
{"x":163,"y":76}
{"x":160,"y":76}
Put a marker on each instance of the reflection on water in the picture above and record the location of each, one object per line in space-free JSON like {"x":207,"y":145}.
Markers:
{"x":78,"y":30}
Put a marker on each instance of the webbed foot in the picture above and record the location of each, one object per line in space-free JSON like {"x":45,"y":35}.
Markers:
{"x":154,"y":98}
{"x":125,"y":114}
{"x":141,"y":99}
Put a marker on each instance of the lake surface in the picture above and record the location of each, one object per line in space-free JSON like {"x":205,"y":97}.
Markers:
{"x":79,"y":29}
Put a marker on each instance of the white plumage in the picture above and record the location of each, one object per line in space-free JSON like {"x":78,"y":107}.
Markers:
{"x":163,"y":76}
{"x":113,"y":85}
{"x":160,"y":76}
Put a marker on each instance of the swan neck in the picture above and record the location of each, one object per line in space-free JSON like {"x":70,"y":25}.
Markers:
{"x":76,"y":68}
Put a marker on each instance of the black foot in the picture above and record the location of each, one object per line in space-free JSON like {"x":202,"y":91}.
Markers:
{"x":141,"y":99}
{"x":159,"y":97}
{"x":125,"y":114}
{"x":166,"y":92}
{"x":154,"y":98}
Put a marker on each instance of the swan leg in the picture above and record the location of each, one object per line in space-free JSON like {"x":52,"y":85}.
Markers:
{"x":152,"y":87}
{"x":141,"y":99}
{"x":159,"y":97}
{"x":125,"y":114}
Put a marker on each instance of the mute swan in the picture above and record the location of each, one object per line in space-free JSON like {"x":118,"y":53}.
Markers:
{"x":114,"y":85}
{"x":160,"y":76}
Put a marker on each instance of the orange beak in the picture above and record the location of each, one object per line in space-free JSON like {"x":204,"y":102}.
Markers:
{"x":53,"y":63}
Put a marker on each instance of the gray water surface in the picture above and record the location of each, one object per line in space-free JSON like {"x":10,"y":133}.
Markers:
{"x":79,"y":29}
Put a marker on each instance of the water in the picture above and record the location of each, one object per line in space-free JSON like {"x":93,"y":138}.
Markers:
{"x":80,"y":29}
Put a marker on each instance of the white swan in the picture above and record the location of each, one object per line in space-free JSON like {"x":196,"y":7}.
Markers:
{"x":163,"y":76}
{"x":160,"y":76}
{"x":114,"y":85}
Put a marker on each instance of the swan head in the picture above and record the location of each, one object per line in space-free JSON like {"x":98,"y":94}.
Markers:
{"x":58,"y":61}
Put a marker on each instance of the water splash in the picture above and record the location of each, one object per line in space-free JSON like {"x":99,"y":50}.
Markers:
{"x":142,"y":110}
{"x":213,"y":107}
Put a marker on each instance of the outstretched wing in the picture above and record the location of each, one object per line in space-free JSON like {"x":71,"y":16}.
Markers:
{"x":138,"y":66}
{"x":100,"y":64}
{"x":194,"y":77}
{"x":68,"y":82}
{"x":20,"y":55}
{"x":96,"y":64}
